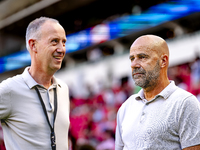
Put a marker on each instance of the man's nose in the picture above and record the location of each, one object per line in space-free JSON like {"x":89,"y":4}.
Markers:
{"x":61,"y":48}
{"x":135,"y":64}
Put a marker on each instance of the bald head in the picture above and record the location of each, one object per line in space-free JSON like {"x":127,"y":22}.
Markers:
{"x":153,"y":43}
{"x":149,"y":55}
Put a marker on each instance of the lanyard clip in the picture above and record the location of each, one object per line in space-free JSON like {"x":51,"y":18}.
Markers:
{"x":53,"y":140}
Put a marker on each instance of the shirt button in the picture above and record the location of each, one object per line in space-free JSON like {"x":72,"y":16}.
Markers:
{"x":142,"y":117}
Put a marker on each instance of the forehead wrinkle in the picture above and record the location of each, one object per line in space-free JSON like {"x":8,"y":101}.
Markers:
{"x":55,"y":30}
{"x":141,"y":50}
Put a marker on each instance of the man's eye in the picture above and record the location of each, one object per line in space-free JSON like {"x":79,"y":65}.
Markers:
{"x":141,"y":57}
{"x":55,"y":41}
{"x":64,"y":41}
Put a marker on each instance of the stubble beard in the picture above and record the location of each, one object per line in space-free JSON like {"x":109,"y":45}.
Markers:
{"x":147,"y":78}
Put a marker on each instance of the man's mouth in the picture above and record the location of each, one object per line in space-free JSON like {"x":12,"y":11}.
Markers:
{"x":138,"y":73}
{"x":59,"y":57}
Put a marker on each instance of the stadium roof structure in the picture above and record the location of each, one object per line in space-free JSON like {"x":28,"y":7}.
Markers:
{"x":121,"y":27}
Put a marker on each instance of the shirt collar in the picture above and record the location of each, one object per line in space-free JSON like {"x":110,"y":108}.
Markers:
{"x":164,"y":93}
{"x":31,"y":82}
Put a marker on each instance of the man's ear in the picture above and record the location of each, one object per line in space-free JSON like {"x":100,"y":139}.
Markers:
{"x":32,"y":45}
{"x":164,"y":61}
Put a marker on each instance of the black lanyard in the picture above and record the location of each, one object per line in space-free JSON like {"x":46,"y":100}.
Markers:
{"x":52,"y":135}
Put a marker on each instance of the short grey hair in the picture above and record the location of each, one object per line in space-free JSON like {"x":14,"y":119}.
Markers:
{"x":33,"y":29}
